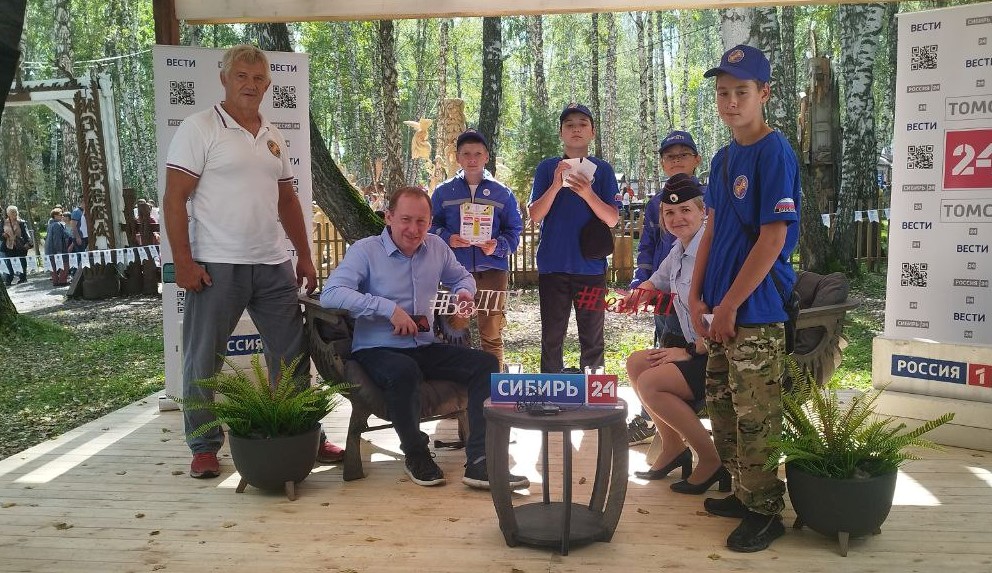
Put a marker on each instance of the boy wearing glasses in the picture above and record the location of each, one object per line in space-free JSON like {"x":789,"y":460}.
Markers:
{"x":678,"y":154}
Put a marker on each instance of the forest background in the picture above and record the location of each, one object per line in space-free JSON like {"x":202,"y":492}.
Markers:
{"x":641,"y":73}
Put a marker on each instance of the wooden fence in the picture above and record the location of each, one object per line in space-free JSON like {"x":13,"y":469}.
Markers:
{"x":329,"y":249}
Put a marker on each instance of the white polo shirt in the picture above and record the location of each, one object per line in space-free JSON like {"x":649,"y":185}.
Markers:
{"x":234,"y":215}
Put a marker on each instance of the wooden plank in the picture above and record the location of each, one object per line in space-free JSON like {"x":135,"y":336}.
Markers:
{"x":228,"y":11}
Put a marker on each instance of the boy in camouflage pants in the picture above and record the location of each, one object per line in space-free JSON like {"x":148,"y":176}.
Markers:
{"x":753,"y":201}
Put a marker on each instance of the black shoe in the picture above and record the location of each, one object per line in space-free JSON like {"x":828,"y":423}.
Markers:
{"x":23,"y":279}
{"x":640,"y":430}
{"x":477,"y":476}
{"x":756,"y":532}
{"x":721,"y":475}
{"x":730,"y":506}
{"x":422,"y":469}
{"x":683,"y":460}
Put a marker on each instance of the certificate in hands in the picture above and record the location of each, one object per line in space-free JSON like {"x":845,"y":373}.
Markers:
{"x":579,"y":165}
{"x":477,"y":222}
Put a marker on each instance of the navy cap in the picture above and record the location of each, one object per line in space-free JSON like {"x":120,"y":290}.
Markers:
{"x":678,"y":138}
{"x":471,"y":135}
{"x":744,"y":63}
{"x":575,"y":108}
{"x":680,"y":188}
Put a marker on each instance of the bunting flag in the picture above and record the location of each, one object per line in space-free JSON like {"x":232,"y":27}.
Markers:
{"x":857,"y":216}
{"x":873,"y":215}
{"x":87,"y":259}
{"x":826,"y":219}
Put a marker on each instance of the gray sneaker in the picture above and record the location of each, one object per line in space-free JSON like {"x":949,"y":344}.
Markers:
{"x":477,"y":476}
{"x":640,"y":430}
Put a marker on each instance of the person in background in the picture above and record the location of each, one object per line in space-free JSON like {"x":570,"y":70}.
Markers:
{"x":57,"y":241}
{"x":563,"y":203}
{"x":16,"y":242}
{"x":487,"y":260}
{"x":678,"y":154}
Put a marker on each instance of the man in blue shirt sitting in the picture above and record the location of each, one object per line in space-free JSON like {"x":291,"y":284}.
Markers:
{"x":385,"y":282}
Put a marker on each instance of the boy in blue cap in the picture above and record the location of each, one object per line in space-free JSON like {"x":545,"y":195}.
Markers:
{"x":742,"y":270}
{"x":678,"y":154}
{"x":563,"y":201}
{"x":487,"y":260}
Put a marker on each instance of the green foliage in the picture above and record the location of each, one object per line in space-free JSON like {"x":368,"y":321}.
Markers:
{"x":541,"y":141}
{"x":826,"y":438}
{"x":252,"y":408}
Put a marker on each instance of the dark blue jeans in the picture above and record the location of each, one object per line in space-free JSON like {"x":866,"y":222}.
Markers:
{"x":398,"y":372}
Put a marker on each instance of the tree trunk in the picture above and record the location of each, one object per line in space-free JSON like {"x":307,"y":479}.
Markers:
{"x":535,"y":36}
{"x":492,"y":86}
{"x":735,"y":27}
{"x":662,"y":76}
{"x":861,"y":25}
{"x":643,"y":155}
{"x":767,"y":38}
{"x":594,"y":83}
{"x":71,"y":184}
{"x":11,"y":25}
{"x":652,"y":135}
{"x":609,"y":127}
{"x":393,"y":168}
{"x":343,"y":204}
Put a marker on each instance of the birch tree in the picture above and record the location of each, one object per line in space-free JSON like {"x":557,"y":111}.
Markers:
{"x":393,"y":168}
{"x":492,"y":85}
{"x":610,"y":87}
{"x":70,"y":184}
{"x":735,"y":27}
{"x":860,"y":27}
{"x":662,"y":76}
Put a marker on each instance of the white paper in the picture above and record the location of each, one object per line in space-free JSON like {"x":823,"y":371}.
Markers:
{"x":477,"y":222}
{"x":579,"y":165}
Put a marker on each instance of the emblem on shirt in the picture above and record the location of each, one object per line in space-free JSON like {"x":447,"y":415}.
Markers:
{"x":274,"y":148}
{"x":485,"y":192}
{"x":740,"y":186}
{"x":786,"y":205}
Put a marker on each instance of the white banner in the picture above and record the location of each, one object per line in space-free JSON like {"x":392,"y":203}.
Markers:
{"x":187,"y":81}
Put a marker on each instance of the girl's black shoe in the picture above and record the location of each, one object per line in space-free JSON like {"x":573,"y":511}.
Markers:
{"x":684,"y":460}
{"x":721,"y":475}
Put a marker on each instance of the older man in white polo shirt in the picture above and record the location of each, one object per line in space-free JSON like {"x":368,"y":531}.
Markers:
{"x":233,"y":168}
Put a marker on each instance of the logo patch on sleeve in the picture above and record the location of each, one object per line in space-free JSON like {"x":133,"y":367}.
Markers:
{"x":786,"y":205}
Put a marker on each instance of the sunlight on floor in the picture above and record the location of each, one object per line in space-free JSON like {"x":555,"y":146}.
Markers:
{"x":73,"y":458}
{"x":910,"y":492}
{"x":982,"y":474}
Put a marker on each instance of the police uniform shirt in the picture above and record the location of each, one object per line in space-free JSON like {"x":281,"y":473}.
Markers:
{"x":756,"y":184}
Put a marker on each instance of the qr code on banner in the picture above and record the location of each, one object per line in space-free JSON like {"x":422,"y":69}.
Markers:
{"x":914,"y":274}
{"x":919,"y":157}
{"x":284,"y":97}
{"x":923,"y":58}
{"x":180,"y":301}
{"x":182,"y":93}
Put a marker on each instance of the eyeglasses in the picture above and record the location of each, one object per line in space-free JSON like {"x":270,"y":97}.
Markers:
{"x":673,"y":157}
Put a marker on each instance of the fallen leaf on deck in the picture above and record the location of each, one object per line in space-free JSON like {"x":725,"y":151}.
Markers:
{"x":122,"y":472}
{"x":228,"y":524}
{"x":644,"y":511}
{"x":371,"y":539}
{"x":714,"y":556}
{"x":156,"y":532}
{"x":582,"y":480}
{"x":453,"y":519}
{"x":7,"y":504}
{"x":177,"y":472}
{"x":62,"y":525}
{"x":139,"y":515}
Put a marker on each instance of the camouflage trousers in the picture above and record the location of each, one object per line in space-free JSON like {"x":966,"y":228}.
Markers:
{"x":744,"y":401}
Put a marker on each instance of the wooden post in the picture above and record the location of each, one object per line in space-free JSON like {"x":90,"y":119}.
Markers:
{"x":166,"y":24}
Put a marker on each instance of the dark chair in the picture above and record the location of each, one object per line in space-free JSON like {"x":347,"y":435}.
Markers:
{"x":329,"y":333}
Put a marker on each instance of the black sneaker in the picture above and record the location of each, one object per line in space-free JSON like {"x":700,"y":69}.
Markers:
{"x":422,"y":469}
{"x":640,"y":430}
{"x":477,"y":476}
{"x":730,"y":506}
{"x":756,"y":532}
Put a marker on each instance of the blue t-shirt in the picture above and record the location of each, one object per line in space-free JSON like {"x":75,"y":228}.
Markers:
{"x":558,"y":250}
{"x":757,"y":184}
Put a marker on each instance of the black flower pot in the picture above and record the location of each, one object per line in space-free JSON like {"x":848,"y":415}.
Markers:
{"x":275,"y":463}
{"x":840,"y":507}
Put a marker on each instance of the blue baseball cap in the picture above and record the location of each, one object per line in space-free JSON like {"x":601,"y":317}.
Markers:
{"x":575,"y":108}
{"x":678,"y":138}
{"x":744,"y":63}
{"x":471,"y":135}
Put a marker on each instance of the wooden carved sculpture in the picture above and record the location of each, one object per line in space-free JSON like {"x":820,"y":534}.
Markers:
{"x":450,"y":123}
{"x":420,"y":146}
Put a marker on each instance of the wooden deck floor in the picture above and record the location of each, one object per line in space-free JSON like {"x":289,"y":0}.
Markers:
{"x":113,"y":496}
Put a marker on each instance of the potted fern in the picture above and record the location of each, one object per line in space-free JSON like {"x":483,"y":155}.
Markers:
{"x":841,"y":460}
{"x":274,"y":428}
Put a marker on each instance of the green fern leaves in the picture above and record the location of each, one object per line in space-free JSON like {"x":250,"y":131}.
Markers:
{"x":823,"y":437}
{"x":252,"y":408}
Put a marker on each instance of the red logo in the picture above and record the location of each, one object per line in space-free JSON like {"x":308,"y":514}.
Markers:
{"x":968,"y":159}
{"x":980,"y":375}
{"x":601,"y":389}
